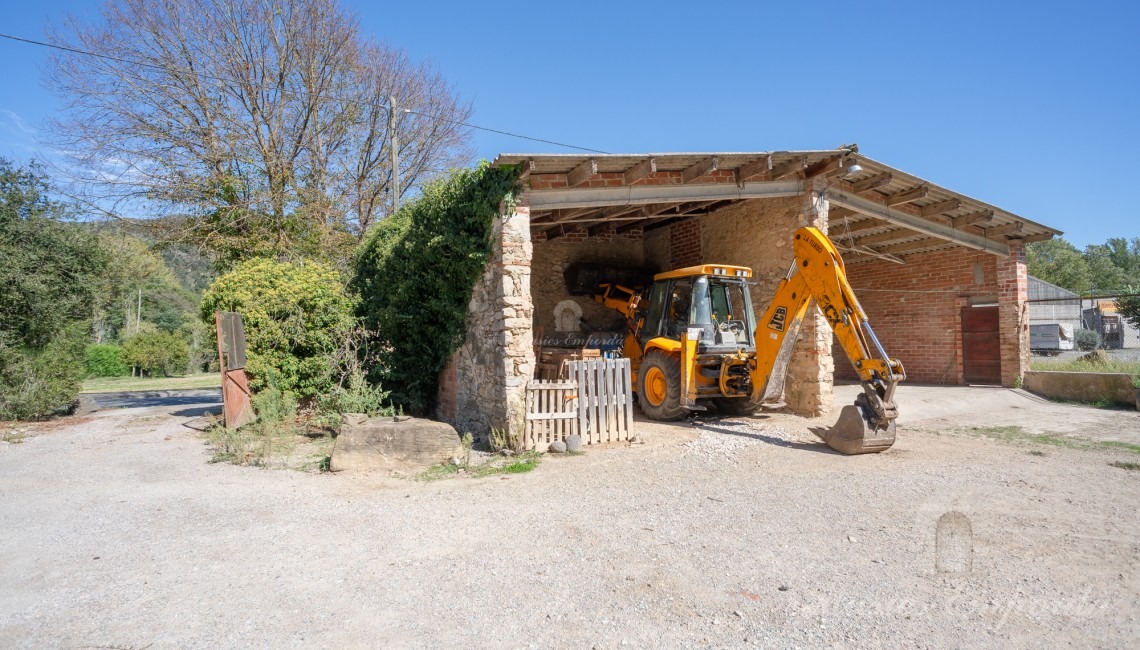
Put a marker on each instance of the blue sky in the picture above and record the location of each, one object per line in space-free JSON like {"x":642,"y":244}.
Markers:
{"x":1034,"y":107}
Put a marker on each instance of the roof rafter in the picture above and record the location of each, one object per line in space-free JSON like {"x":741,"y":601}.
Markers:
{"x":699,"y":169}
{"x":888,"y":213}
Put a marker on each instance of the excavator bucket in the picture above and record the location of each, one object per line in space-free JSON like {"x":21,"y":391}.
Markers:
{"x":853,"y":434}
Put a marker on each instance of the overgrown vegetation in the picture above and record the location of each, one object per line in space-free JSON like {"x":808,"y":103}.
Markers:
{"x":277,"y":438}
{"x":1086,"y":339}
{"x":415,"y":272}
{"x":157,"y":353}
{"x":1126,"y":465}
{"x":50,"y":280}
{"x":1106,"y":364}
{"x":296,"y":317}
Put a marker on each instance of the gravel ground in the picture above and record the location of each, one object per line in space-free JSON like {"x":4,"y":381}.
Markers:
{"x":116,"y":532}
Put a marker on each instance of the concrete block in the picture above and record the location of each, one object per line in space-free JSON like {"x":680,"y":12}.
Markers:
{"x":1083,"y":386}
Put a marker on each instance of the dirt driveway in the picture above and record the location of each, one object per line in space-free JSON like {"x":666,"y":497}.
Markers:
{"x":115,"y":531}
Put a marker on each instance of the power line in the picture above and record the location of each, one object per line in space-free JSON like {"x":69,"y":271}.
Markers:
{"x":508,"y":133}
{"x":429,"y":116}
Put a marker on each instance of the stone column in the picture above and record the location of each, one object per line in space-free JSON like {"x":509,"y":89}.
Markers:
{"x":1013,"y":313}
{"x":810,"y":383}
{"x":484,"y":385}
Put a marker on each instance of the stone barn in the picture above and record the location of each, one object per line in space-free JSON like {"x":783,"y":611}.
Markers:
{"x":941,"y":275}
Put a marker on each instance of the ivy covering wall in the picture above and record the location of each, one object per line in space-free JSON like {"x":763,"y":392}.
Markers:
{"x":414,"y":275}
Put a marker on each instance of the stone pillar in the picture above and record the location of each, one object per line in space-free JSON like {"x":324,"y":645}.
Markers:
{"x":484,"y":384}
{"x":1013,"y":313}
{"x":810,"y":381}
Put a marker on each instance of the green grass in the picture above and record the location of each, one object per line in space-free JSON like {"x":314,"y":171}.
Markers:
{"x":1080,"y":365}
{"x":116,"y":384}
{"x":1017,"y":435}
{"x":521,"y":464}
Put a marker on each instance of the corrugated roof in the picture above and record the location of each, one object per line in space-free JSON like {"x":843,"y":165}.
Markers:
{"x":880,"y":211}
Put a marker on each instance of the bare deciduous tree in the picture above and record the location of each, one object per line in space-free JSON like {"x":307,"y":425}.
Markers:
{"x":265,"y":121}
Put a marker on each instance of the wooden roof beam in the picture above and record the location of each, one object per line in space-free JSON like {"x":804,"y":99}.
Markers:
{"x":910,"y":247}
{"x":789,"y":167}
{"x":972,"y":218}
{"x":878,"y":180}
{"x":526,"y":168}
{"x":907,"y":196}
{"x":887,"y":237}
{"x":869,"y":224}
{"x":936,"y":209}
{"x":582,"y":173}
{"x":640,"y":171}
{"x":754,"y":168}
{"x":825,"y":166}
{"x":1006,"y":229}
{"x":561,"y":229}
{"x":700,"y":169}
{"x":1029,"y":239}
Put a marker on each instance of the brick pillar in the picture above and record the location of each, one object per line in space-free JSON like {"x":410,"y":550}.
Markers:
{"x":685,"y":244}
{"x":810,"y":381}
{"x":1013,"y":313}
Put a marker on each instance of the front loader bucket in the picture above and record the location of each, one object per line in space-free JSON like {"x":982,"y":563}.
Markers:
{"x":854,"y":435}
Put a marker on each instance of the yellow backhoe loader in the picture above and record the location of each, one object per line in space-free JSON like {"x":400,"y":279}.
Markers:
{"x":693,"y":336}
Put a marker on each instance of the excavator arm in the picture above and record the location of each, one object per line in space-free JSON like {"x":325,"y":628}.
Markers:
{"x":818,"y":274}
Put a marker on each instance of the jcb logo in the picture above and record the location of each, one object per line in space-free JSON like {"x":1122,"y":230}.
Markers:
{"x":778,"y":318}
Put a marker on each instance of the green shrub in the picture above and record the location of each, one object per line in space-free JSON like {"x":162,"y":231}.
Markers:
{"x":354,"y":395}
{"x":35,"y":383}
{"x":272,"y":405}
{"x":415,"y":272}
{"x":157,"y":353}
{"x":1086,"y":339}
{"x":106,"y":361}
{"x":295,"y":317}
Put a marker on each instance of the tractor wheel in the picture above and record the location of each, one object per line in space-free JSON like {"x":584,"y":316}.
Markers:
{"x":736,"y":406}
{"x":659,"y":387}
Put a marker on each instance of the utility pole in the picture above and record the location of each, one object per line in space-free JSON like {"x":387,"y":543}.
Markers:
{"x":395,"y":147}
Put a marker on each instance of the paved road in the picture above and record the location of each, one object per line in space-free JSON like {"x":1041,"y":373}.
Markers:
{"x":194,"y":402}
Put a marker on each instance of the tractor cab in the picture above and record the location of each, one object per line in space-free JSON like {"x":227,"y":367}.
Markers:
{"x":712,"y":298}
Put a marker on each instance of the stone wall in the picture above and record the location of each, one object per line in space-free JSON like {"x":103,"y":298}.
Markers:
{"x":484,"y":385}
{"x":758,"y":234}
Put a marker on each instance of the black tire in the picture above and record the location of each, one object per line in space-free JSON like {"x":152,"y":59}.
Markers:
{"x":736,"y":406}
{"x":670,"y":406}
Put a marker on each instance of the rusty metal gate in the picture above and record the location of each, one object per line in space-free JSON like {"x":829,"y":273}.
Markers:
{"x":981,"y":345}
{"x":231,"y":357}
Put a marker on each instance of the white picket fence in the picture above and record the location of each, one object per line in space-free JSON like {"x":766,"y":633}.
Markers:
{"x":595,"y":400}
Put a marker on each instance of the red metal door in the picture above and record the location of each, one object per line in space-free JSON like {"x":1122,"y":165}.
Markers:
{"x":981,"y":345}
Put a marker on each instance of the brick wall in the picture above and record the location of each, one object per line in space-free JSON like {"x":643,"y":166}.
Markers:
{"x":915,"y":308}
{"x":1013,"y":312}
{"x":685,"y":244}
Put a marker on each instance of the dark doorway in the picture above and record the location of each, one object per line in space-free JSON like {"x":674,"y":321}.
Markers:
{"x":981,"y":345}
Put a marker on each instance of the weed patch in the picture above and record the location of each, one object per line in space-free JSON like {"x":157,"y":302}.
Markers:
{"x":1125,"y":465}
{"x":1017,"y":435}
{"x":520,"y":464}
